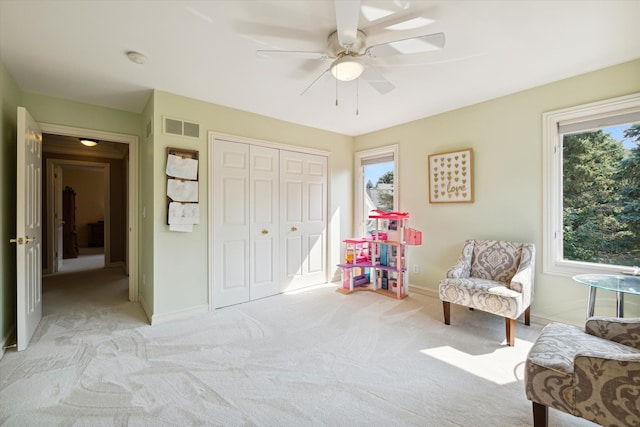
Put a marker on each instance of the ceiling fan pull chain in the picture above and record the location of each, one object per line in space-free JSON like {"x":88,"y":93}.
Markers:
{"x":357,"y":97}
{"x":336,"y":92}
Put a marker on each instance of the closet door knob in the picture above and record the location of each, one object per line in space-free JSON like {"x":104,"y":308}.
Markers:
{"x":264,"y":231}
{"x":294,"y":228}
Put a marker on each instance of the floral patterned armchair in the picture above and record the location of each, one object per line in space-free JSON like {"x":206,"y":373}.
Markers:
{"x":494,"y":276}
{"x":592,"y":373}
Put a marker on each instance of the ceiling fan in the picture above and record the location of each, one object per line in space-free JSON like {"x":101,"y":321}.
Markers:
{"x":347,"y":46}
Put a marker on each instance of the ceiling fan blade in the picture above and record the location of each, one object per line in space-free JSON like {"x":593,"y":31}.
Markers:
{"x":377,"y":80}
{"x":347,"y":15}
{"x":301,"y":54}
{"x":411,"y":45}
{"x":401,"y":20}
{"x":313,"y":83}
{"x":265,"y":32}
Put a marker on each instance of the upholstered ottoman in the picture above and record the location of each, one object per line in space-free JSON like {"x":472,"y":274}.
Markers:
{"x":593,"y":374}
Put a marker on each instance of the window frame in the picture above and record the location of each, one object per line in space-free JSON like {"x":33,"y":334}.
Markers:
{"x":390,"y":150}
{"x":552,"y":175}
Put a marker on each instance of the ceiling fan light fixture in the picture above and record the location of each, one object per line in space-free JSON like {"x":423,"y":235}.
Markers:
{"x":346,"y":68}
{"x":89,"y":142}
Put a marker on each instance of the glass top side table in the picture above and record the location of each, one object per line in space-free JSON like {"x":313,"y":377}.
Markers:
{"x":620,"y":284}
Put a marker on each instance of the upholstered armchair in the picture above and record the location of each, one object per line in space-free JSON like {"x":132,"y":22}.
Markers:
{"x":493,"y":276}
{"x":592,"y":373}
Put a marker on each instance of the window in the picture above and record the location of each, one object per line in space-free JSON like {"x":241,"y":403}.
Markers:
{"x":591,"y":200}
{"x":376,"y":183}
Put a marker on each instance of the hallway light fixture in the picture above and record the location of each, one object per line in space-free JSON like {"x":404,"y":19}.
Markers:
{"x":346,"y":68}
{"x":89,"y":142}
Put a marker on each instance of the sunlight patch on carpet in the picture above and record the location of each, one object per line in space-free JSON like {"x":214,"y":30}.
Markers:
{"x":482,"y":366}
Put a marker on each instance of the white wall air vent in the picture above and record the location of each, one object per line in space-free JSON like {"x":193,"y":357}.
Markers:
{"x":178,"y":127}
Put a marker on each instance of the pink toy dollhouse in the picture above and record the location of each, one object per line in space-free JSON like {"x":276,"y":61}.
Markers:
{"x":376,"y":263}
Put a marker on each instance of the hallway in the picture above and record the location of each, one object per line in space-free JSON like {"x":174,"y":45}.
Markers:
{"x":84,"y":292}
{"x":88,"y":259}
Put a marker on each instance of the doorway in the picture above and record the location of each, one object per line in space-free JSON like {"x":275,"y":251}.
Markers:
{"x":121,"y":183}
{"x":78,"y":212}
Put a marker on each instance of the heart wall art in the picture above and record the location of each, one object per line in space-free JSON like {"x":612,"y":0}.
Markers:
{"x":451,"y":177}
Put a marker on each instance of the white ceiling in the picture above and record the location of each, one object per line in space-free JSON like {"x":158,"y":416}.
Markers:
{"x":206,"y":50}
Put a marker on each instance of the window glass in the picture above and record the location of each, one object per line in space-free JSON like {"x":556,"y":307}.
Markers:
{"x":376,"y":185}
{"x":379,"y":190}
{"x":601,"y":195}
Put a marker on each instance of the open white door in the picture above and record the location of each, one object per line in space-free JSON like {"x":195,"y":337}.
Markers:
{"x":28,"y":227}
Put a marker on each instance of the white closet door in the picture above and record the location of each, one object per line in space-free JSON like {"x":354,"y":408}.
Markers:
{"x":303,"y":219}
{"x":264,"y":229}
{"x":231,"y":226}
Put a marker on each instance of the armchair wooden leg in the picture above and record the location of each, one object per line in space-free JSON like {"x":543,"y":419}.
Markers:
{"x":527,"y":316}
{"x":511,"y":331}
{"x":446,"y":308}
{"x":540,"y":413}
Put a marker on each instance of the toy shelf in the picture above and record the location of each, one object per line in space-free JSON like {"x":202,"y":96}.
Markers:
{"x":376,"y":263}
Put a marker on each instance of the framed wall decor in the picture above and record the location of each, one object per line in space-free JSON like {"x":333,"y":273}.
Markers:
{"x":451,"y":177}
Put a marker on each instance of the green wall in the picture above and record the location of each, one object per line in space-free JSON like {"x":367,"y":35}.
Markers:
{"x":145,"y":206}
{"x":506,"y":137}
{"x":180,"y":270}
{"x":9,"y":101}
{"x":45,"y":109}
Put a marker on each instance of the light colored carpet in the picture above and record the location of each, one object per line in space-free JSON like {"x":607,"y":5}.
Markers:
{"x":88,"y":259}
{"x":311,"y":358}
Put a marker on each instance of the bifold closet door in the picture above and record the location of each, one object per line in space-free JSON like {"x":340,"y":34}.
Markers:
{"x":264,"y":178}
{"x":246,"y":222}
{"x":231,"y":226}
{"x":303,"y":219}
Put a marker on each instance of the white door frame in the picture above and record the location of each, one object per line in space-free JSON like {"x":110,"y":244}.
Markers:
{"x":132,"y":196}
{"x":51,"y":220}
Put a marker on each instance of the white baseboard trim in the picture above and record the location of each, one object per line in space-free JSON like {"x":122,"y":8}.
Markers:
{"x":180,"y":314}
{"x":545,"y":320}
{"x":537,"y":319}
{"x":7,"y":339}
{"x":422,"y":291}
